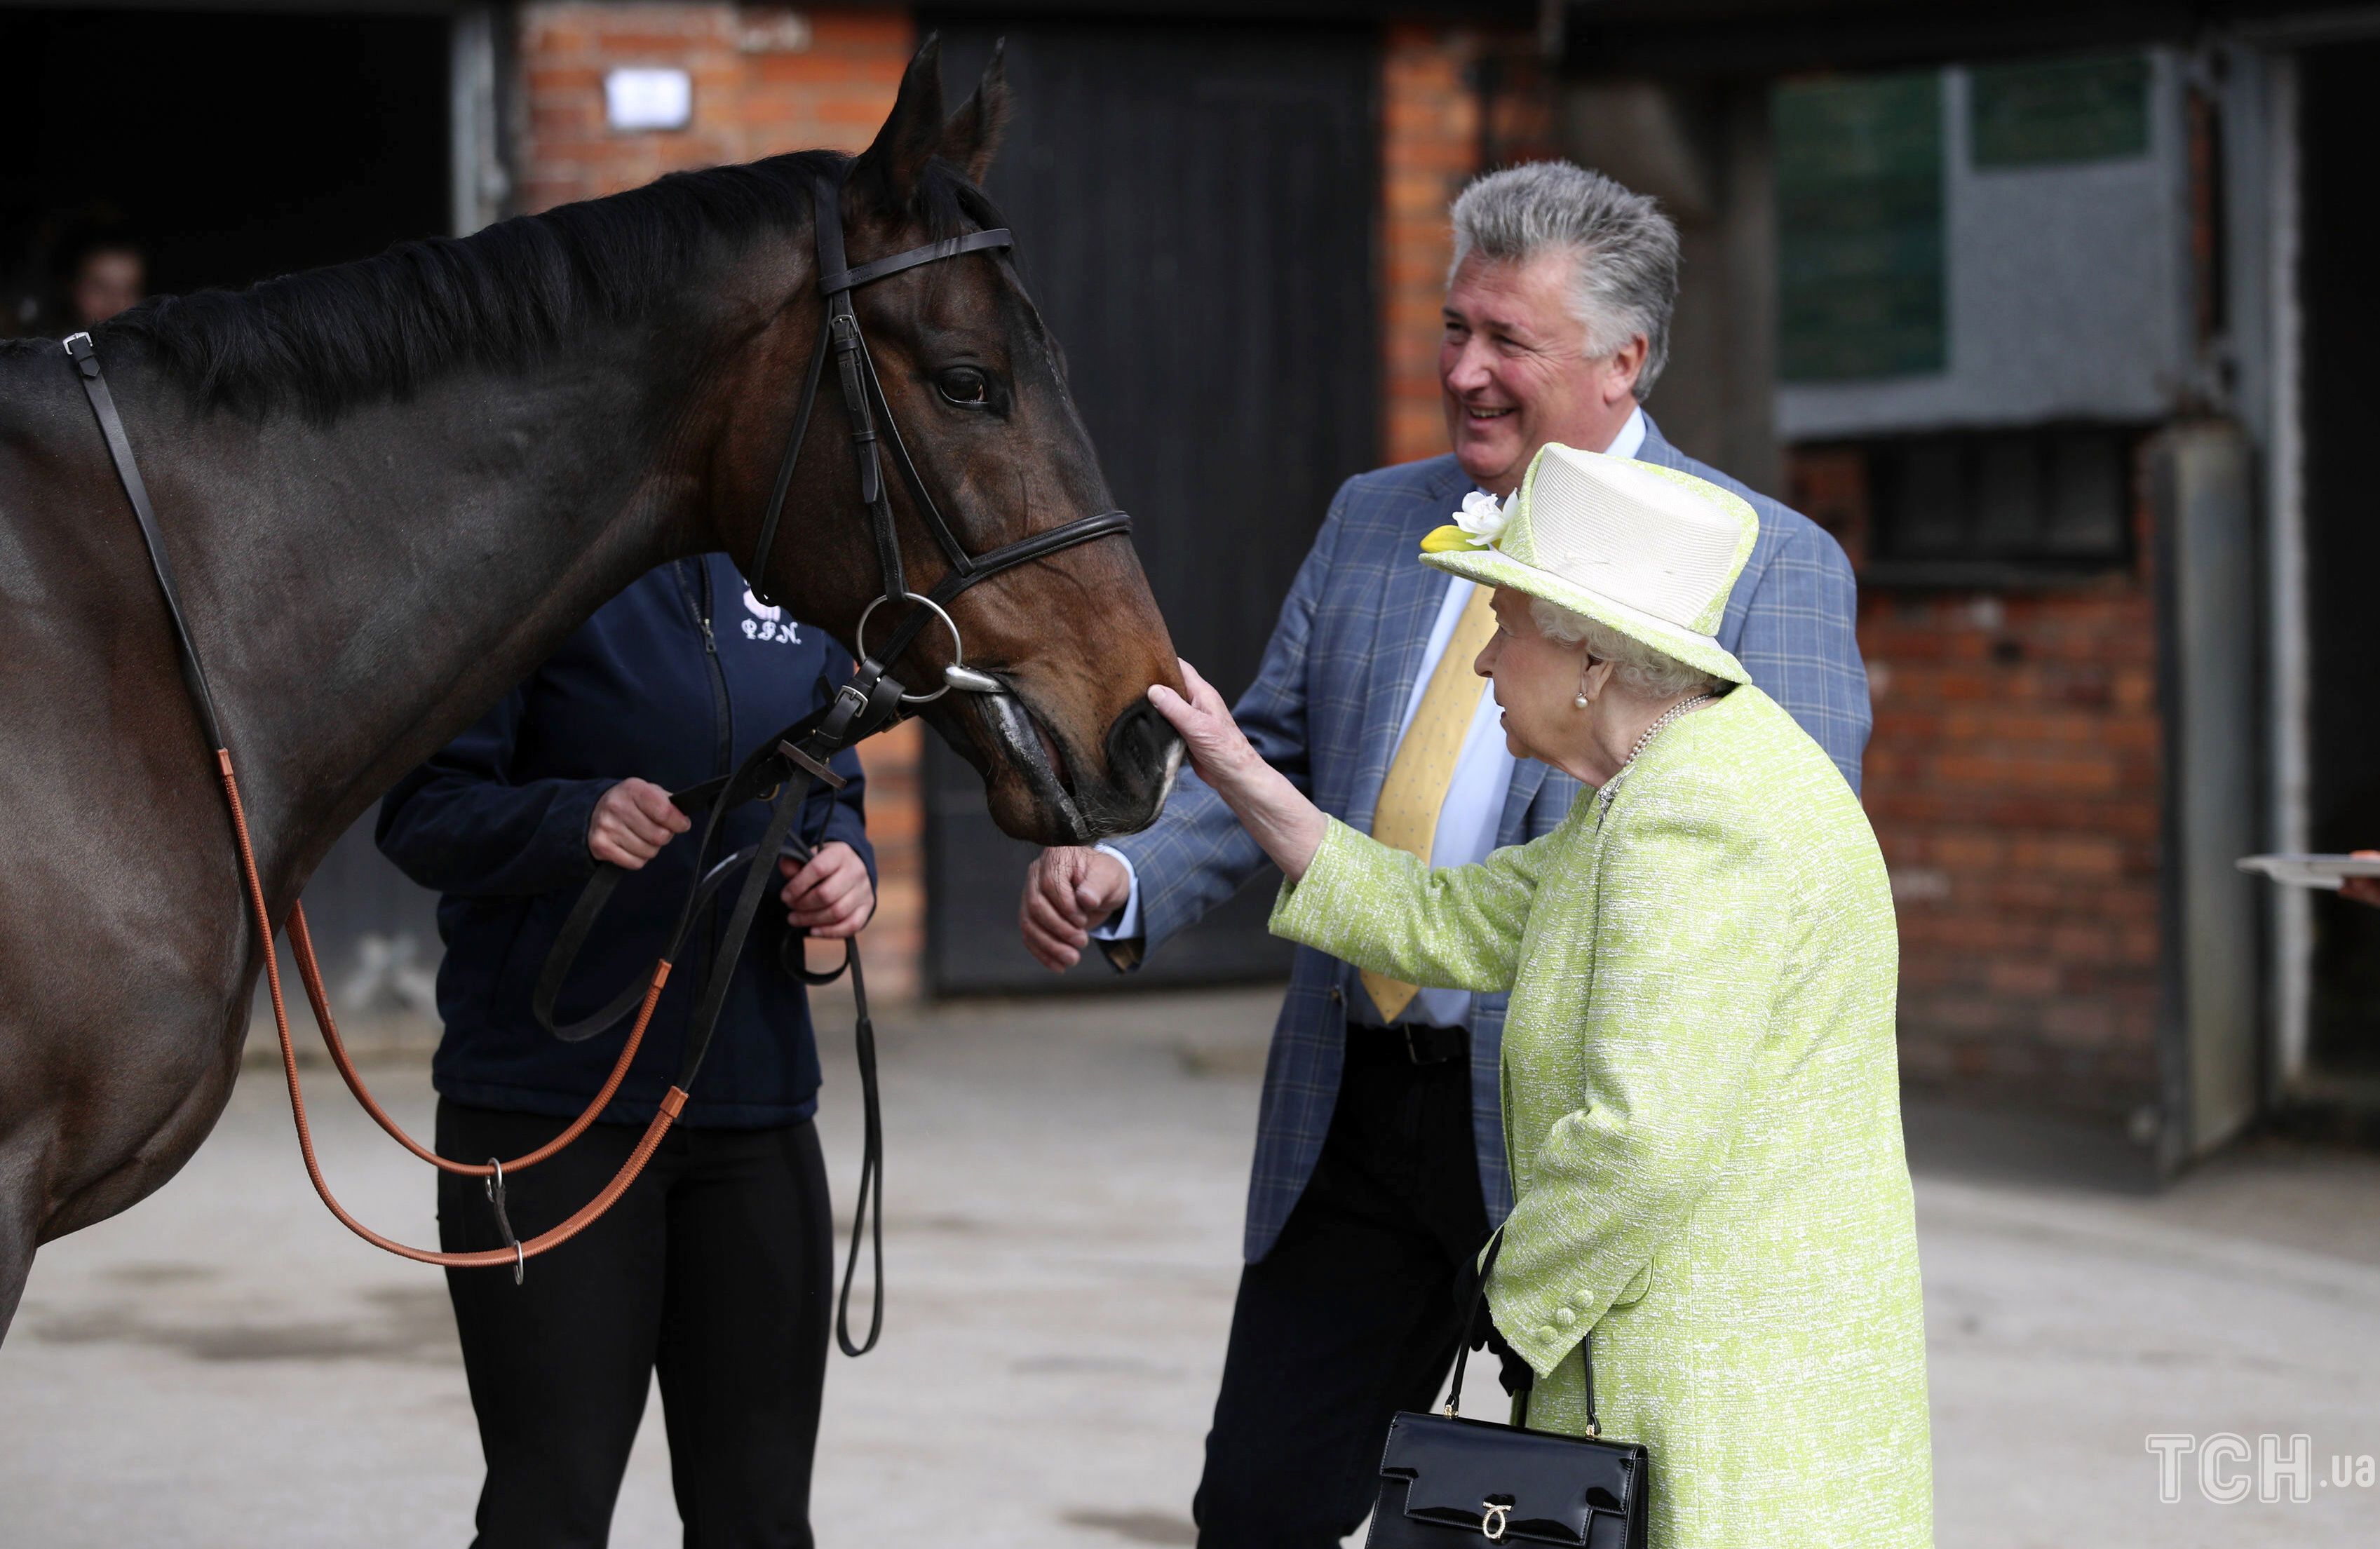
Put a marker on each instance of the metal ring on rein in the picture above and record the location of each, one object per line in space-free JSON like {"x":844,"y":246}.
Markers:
{"x":956,"y":675}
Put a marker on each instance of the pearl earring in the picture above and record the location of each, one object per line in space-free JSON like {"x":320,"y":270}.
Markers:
{"x":1580,"y":702}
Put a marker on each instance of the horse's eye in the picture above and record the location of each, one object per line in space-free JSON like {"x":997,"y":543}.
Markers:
{"x":965,"y":386}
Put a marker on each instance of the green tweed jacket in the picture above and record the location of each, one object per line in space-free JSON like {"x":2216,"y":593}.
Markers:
{"x":1702,"y":1113}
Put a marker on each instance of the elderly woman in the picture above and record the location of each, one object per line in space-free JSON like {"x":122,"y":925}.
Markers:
{"x":1701,"y":1106}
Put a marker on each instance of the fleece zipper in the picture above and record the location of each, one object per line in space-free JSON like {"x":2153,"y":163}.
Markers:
{"x":723,"y":714}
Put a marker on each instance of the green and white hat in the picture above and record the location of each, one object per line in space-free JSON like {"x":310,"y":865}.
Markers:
{"x":1648,"y":551}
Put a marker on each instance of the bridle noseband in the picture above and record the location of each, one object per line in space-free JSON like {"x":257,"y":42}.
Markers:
{"x":865,"y":403}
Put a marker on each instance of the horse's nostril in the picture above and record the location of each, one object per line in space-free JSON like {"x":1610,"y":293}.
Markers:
{"x":1143,"y":751}
{"x":1143,"y":756}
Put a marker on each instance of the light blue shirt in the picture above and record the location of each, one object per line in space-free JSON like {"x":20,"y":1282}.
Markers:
{"x":1474,"y":796}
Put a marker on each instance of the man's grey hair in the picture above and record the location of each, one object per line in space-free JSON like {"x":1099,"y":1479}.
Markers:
{"x":1626,"y":250}
{"x":1642,"y":672}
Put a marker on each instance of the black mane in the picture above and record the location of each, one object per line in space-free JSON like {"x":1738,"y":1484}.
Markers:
{"x":327,"y":339}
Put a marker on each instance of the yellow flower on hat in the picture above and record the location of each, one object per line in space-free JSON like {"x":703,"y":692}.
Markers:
{"x":1477,"y":526}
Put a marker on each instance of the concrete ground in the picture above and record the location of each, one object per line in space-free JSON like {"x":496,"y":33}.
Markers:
{"x":224,"y":1366}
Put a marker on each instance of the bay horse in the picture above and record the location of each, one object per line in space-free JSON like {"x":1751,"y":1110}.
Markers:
{"x":390,"y":489}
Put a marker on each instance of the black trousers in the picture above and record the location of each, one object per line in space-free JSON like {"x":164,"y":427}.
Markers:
{"x":1351,"y":1317}
{"x":715,"y":1269}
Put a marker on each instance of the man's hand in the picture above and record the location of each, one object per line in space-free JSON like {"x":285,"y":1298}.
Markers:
{"x":631,"y":823}
{"x":830,"y":896}
{"x":2363,"y":889}
{"x":1069,"y":890}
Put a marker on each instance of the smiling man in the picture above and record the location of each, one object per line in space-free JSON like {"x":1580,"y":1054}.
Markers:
{"x":1379,"y":1163}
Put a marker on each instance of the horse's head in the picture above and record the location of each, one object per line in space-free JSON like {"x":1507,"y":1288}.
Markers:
{"x":1069,"y":747}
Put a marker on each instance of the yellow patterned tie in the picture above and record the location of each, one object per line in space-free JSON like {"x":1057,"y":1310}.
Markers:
{"x":1424,"y":765}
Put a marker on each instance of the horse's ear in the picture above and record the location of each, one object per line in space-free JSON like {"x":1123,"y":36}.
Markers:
{"x":972,"y":136}
{"x":913,"y":135}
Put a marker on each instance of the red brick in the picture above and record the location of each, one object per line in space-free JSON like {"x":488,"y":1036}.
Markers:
{"x":2036,"y":785}
{"x":873,"y":32}
{"x":2019,"y":976}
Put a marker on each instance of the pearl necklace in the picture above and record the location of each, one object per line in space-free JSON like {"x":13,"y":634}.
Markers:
{"x":1610,"y":787}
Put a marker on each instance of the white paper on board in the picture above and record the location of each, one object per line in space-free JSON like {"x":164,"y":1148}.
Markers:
{"x":647,"y":98}
{"x":2311,"y":871}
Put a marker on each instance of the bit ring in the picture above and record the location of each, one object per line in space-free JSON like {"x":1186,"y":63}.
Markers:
{"x":958,"y":647}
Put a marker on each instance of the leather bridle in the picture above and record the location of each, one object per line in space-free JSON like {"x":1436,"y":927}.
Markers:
{"x":864,"y":405}
{"x":783,"y":772}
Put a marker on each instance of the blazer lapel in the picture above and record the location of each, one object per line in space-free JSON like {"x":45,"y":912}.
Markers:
{"x":1409,"y":600}
{"x":1657,"y":448}
{"x":1528,"y":775}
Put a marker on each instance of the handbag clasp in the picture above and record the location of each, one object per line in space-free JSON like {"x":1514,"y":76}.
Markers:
{"x":1492,"y":1525}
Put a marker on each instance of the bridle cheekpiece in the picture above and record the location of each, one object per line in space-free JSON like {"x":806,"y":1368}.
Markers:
{"x":867,"y":408}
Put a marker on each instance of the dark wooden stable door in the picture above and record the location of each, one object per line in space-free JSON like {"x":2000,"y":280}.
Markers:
{"x":2342,"y":543}
{"x":1195,"y":210}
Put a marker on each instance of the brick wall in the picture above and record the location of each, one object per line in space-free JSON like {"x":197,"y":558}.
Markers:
{"x":2015,"y":783}
{"x":766,"y":80}
{"x":1454,"y":101}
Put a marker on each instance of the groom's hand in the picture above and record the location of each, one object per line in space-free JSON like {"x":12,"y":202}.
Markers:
{"x":1069,"y":890}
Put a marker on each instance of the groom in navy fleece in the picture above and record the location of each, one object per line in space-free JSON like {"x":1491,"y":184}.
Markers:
{"x":713,"y":1269}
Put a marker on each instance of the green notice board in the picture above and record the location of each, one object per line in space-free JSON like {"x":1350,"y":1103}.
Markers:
{"x":2046,"y":112}
{"x":1860,"y":264}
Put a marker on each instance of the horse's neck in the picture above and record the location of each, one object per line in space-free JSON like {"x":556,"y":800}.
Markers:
{"x":370,"y":586}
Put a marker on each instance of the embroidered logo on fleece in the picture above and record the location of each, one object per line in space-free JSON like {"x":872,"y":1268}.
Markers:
{"x":769,"y":622}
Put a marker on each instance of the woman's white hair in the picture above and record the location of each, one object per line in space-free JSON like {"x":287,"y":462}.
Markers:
{"x":1640,"y":672}
{"x":1625,"y":250}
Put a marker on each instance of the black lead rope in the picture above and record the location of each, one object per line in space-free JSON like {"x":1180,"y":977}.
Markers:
{"x":867,"y":1210}
{"x":783,"y":770}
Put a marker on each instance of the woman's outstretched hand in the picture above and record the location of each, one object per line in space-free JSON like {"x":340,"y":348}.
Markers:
{"x":1275,"y":813}
{"x":1219,"y":750}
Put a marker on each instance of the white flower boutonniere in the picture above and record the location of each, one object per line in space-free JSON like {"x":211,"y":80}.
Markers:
{"x":1482,"y":516}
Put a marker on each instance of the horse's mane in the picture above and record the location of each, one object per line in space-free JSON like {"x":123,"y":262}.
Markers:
{"x":326,"y":339}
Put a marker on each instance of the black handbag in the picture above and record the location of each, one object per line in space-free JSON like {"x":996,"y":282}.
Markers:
{"x":1446,"y":1480}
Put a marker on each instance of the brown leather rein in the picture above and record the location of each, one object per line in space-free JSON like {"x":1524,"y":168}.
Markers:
{"x":301,"y":944}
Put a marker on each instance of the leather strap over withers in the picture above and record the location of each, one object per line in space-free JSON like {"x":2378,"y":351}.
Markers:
{"x":119,"y":446}
{"x":127,"y":472}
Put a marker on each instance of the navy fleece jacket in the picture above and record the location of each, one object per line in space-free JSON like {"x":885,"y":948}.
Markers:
{"x":673,"y":680}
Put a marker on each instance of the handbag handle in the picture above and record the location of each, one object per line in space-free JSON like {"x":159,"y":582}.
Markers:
{"x":1470,"y":1315}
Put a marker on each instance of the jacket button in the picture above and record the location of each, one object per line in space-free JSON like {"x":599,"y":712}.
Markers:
{"x":1564,"y":1316}
{"x":1548,"y":1335}
{"x":1336,"y":998}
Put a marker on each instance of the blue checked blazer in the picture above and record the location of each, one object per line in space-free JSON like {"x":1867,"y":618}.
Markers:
{"x":1324,"y":710}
